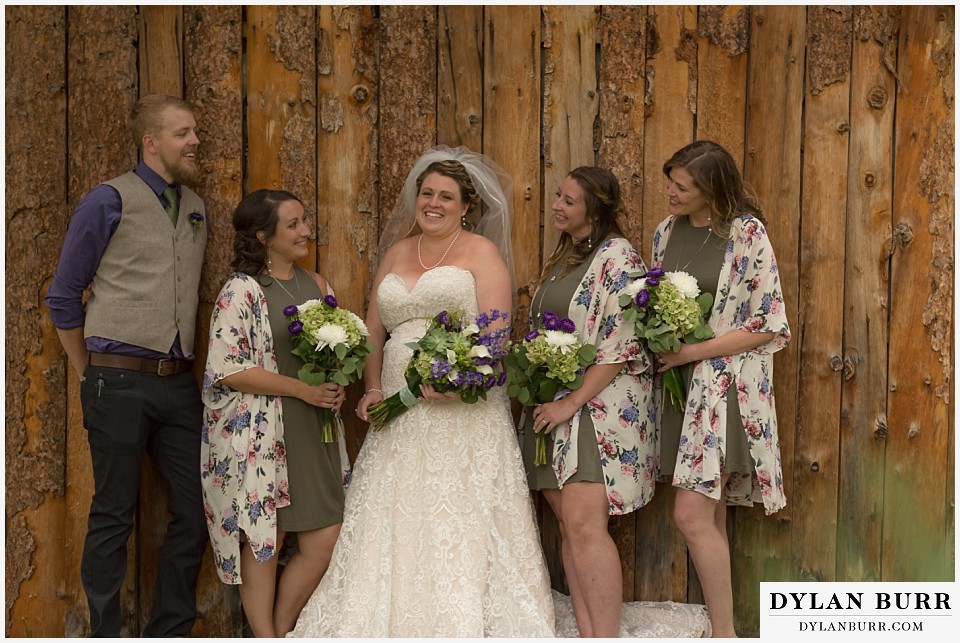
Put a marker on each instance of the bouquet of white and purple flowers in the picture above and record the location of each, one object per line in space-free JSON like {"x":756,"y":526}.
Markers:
{"x":667,"y":308}
{"x":453,"y":356}
{"x":332,"y":343}
{"x":548,"y":363}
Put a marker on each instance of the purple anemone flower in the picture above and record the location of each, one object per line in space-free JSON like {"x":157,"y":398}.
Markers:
{"x":550,"y":321}
{"x":295,"y":328}
{"x":330,"y":300}
{"x":643,"y":298}
{"x":290,"y":310}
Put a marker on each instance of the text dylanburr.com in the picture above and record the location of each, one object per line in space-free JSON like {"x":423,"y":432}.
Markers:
{"x":859,"y":611}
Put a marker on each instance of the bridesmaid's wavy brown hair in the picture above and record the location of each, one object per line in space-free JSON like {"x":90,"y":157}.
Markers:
{"x":257,"y":212}
{"x":601,"y":196}
{"x":716,"y":175}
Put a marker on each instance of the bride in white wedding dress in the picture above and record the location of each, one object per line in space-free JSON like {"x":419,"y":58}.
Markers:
{"x":439,"y":537}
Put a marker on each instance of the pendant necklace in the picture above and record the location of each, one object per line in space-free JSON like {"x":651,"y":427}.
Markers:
{"x":697,"y":254}
{"x":420,"y":256}
{"x":296,"y":281}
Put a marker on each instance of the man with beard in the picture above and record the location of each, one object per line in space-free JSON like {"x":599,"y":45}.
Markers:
{"x":137,"y":241}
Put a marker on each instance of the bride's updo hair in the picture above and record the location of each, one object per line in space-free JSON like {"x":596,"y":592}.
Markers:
{"x":468,"y":193}
{"x":257,"y":212}
{"x":601,"y":197}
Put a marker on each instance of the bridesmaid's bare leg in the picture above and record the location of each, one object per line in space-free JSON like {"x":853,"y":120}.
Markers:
{"x":698,"y":518}
{"x":258,"y":589}
{"x":594,"y":554}
{"x":569,"y":569}
{"x":302,"y":575}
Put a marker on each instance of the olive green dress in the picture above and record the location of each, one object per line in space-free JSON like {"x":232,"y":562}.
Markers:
{"x":554,"y":295}
{"x":313,"y":466}
{"x":700,"y":253}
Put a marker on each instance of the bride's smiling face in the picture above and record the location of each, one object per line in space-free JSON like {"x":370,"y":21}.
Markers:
{"x":439,"y":205}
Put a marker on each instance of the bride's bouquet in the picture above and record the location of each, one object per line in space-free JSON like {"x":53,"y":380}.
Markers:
{"x":454,"y":356}
{"x":667,"y":308}
{"x":546,"y":365}
{"x":331,"y":342}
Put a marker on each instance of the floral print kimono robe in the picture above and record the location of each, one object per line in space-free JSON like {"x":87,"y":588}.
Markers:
{"x":748,"y":298}
{"x":622,"y":412}
{"x":243,"y":461}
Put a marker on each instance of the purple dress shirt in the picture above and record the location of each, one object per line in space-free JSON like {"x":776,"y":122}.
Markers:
{"x":92,"y":225}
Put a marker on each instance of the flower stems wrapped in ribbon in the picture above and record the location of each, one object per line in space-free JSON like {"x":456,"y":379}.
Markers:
{"x":667,"y":308}
{"x":547,"y":365}
{"x":332,"y":343}
{"x":453,"y":356}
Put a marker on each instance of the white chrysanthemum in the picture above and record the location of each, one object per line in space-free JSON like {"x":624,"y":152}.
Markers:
{"x":330,"y":335}
{"x":360,"y":325}
{"x":685,"y":283}
{"x":560,"y":339}
{"x":634,"y":287}
{"x":307,"y":305}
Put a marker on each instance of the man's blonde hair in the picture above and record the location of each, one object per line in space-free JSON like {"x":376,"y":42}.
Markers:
{"x":145,"y":115}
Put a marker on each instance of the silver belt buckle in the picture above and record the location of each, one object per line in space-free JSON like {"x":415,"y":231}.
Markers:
{"x":160,"y":364}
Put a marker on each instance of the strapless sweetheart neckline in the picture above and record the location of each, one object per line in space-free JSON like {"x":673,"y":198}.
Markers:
{"x":420,"y":278}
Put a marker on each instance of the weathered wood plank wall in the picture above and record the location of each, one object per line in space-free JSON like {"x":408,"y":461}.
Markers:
{"x":842,"y":119}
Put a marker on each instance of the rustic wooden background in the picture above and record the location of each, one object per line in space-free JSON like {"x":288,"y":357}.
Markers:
{"x":843,"y":119}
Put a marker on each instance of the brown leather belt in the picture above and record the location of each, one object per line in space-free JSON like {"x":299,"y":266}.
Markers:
{"x":161,"y":367}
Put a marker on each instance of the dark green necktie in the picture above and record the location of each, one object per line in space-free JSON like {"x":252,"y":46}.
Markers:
{"x":172,"y":206}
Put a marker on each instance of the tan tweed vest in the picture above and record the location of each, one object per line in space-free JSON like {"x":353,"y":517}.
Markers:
{"x":145,"y":289}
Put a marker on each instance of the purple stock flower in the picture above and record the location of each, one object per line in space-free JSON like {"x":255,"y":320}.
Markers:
{"x":567,"y":325}
{"x":502,"y":378}
{"x":532,"y":335}
{"x":443,"y":320}
{"x":330,"y":300}
{"x":643,"y":298}
{"x":439,"y":369}
{"x":290,"y":310}
{"x":295,"y":328}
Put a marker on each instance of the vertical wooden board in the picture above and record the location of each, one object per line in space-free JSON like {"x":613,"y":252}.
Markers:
{"x":408,"y":95}
{"x":511,"y":127}
{"x":570,"y":101}
{"x":346,"y":183}
{"x":820,"y":333}
{"x":102,"y":76}
{"x":724,"y":37}
{"x":863,"y":416}
{"x":772,"y":165}
{"x":460,"y":76}
{"x":922,"y":276}
{"x":161,"y":72}
{"x":161,"y":50}
{"x":623,"y":41}
{"x":282,"y":106}
{"x":669,"y":103}
{"x":35,"y":409}
{"x":212,"y":45}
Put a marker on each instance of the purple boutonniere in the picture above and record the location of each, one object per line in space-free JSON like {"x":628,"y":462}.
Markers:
{"x":197,"y":219}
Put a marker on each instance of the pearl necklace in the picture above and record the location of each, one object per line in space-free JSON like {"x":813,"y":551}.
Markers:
{"x":420,"y":257}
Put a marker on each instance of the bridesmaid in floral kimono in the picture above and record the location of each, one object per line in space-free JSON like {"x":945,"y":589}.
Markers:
{"x":265,"y":470}
{"x":722,"y":448}
{"x":602,"y":458}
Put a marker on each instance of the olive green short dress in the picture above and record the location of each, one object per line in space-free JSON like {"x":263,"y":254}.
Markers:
{"x":700,"y":253}
{"x":554,"y":295}
{"x":313,"y":466}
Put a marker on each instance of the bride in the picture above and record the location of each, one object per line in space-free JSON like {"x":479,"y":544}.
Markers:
{"x":439,"y":537}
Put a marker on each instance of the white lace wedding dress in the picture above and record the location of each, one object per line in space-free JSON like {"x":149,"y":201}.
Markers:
{"x":439,"y":537}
